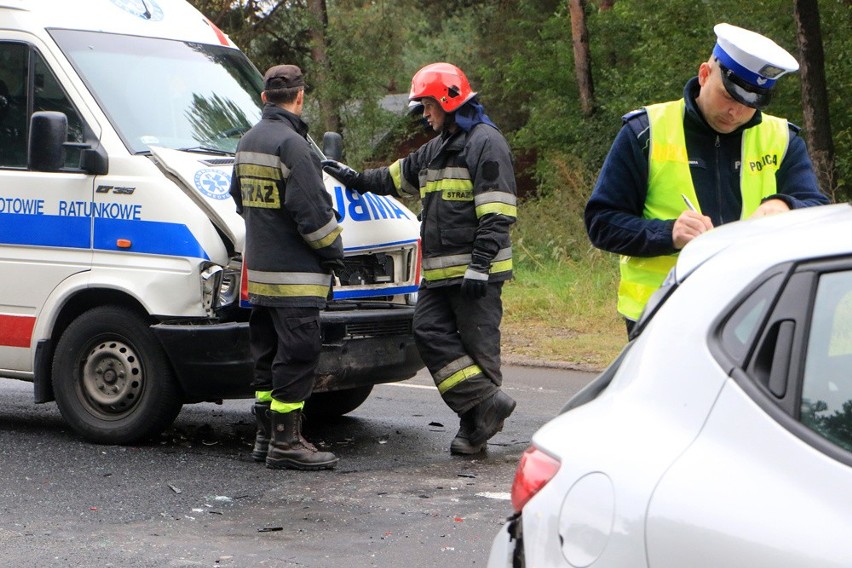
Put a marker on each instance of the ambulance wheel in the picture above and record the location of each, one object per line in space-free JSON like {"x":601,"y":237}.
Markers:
{"x":331,"y":404}
{"x":113,"y":383}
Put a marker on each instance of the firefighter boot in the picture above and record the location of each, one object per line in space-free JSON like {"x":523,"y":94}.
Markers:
{"x":488,"y":417}
{"x":264,"y":431}
{"x":289,"y":450}
{"x":461,"y":443}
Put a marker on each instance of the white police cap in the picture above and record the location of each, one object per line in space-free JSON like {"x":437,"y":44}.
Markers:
{"x":751,"y":63}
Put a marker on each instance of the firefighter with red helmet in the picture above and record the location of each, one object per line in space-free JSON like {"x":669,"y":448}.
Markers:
{"x":466,"y":183}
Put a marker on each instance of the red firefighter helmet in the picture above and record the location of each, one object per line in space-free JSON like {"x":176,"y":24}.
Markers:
{"x":444,"y":82}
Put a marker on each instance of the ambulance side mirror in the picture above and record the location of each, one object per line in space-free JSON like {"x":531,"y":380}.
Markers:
{"x":332,"y":145}
{"x":48,"y":147}
{"x":48,"y":131}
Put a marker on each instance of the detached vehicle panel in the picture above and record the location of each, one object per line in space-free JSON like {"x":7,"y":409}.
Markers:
{"x":119,"y":243}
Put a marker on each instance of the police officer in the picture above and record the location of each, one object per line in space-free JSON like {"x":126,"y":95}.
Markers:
{"x":292,"y":244}
{"x":466,"y":183}
{"x":679,"y":168}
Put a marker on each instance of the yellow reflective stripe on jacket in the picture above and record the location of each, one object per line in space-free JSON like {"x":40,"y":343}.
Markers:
{"x":399,"y":182}
{"x":453,"y":182}
{"x":498,"y":202}
{"x":258,"y":171}
{"x":288,"y":290}
{"x":395,"y":172}
{"x":263,"y":396}
{"x":288,"y":284}
{"x":456,"y":372}
{"x":669,"y":176}
{"x":324,"y":236}
{"x":265,"y":162}
{"x":454,"y":266}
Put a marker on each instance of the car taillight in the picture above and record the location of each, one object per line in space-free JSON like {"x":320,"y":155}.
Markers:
{"x":535,"y":469}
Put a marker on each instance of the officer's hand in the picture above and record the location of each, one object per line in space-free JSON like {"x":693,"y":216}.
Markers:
{"x":770,"y":207}
{"x":343,"y":173}
{"x":332,"y":265}
{"x":689,"y":225}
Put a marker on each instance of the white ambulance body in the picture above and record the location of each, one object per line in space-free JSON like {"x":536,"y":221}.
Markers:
{"x":120,"y":248}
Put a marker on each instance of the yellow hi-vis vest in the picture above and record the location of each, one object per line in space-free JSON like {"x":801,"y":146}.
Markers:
{"x":763,"y":148}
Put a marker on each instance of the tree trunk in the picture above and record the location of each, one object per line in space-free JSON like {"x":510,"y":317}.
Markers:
{"x":582,"y":56}
{"x":329,"y":117}
{"x":814,"y":94}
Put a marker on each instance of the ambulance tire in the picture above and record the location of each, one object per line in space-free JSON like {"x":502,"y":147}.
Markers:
{"x":332,"y":404}
{"x":112,"y":381}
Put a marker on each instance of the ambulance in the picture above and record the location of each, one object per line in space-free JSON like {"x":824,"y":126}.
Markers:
{"x":120,"y":247}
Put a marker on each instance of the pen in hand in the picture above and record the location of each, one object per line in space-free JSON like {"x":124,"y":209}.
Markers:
{"x":688,"y":203}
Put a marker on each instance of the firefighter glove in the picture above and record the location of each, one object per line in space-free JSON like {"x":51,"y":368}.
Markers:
{"x":475,"y":282}
{"x":341,"y":172}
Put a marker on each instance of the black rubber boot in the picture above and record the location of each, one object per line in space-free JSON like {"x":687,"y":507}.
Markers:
{"x":488,"y":416}
{"x":461,"y":443}
{"x":264,"y":431}
{"x":289,"y":450}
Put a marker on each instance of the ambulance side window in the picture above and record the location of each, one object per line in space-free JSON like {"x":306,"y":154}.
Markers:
{"x":22,"y":93}
{"x":14,"y":59}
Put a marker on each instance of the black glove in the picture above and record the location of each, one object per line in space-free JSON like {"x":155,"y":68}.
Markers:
{"x":475,"y":282}
{"x":332,"y":265}
{"x":343,"y":173}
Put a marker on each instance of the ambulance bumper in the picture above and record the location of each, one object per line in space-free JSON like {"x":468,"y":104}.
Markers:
{"x":360,"y":347}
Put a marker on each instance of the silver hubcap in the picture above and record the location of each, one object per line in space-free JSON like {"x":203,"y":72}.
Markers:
{"x":112,"y":377}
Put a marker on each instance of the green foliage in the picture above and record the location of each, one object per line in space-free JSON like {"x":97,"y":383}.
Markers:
{"x":363,"y":40}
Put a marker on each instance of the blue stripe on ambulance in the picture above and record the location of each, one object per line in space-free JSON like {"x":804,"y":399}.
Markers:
{"x":344,"y":295}
{"x":44,"y":230}
{"x":146,"y":237}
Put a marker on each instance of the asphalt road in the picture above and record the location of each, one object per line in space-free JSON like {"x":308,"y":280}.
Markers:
{"x":194,"y":497}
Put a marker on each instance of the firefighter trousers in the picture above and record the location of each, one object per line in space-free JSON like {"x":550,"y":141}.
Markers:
{"x":459,"y":341}
{"x":285,"y":346}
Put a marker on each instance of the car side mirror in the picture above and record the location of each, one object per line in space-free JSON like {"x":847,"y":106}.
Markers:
{"x":48,"y":147}
{"x":332,"y":145}
{"x":48,"y":132}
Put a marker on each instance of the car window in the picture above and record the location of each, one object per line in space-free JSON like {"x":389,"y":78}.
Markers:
{"x":745,"y":322}
{"x":13,"y":104}
{"x":827,"y":382}
{"x":19,"y":92}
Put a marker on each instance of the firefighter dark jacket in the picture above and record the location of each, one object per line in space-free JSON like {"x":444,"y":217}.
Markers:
{"x":291,"y":228}
{"x":467,"y":186}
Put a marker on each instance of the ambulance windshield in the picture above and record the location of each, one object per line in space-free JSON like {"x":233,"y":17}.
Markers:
{"x":160,"y":92}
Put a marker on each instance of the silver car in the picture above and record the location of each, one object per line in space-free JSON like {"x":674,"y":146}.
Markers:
{"x":722,"y":434}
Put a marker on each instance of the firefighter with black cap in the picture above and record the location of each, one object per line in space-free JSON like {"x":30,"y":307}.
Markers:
{"x":680,"y":168}
{"x":292,"y":245}
{"x":466,"y":182}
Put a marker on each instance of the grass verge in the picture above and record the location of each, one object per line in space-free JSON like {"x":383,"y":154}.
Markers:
{"x":561,"y":307}
{"x":562,"y":313}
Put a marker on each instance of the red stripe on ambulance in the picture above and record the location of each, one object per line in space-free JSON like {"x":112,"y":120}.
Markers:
{"x":220,"y":35}
{"x":16,"y":331}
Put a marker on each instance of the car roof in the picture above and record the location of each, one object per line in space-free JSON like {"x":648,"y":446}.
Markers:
{"x":812,"y":232}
